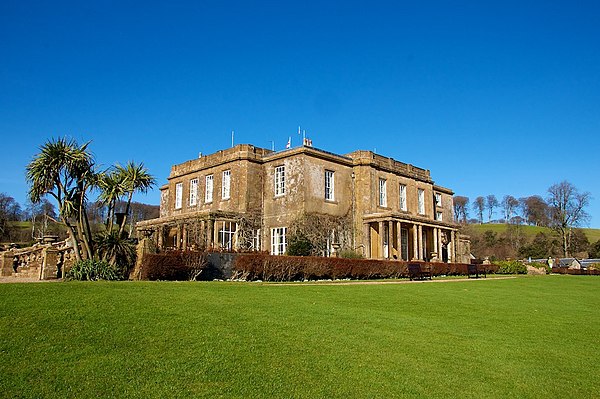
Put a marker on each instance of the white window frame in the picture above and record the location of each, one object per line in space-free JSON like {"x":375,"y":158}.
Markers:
{"x":329,"y":185}
{"x":279,"y":181}
{"x":421,"y":201}
{"x":256,"y":240}
{"x":178,"y":195}
{"x":402,"y":196}
{"x":278,"y":241}
{"x":193,"y":192}
{"x":226,"y":185}
{"x":227,"y":235}
{"x":438,"y":216}
{"x":209,"y":185}
{"x":438,"y":199}
{"x":382,"y":192}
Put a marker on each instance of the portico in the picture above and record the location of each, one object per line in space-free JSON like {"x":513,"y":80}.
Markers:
{"x":398,"y":237}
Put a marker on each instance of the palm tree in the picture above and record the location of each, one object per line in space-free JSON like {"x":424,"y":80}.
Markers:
{"x":112,"y":188}
{"x":136,"y":179}
{"x":64,"y":170}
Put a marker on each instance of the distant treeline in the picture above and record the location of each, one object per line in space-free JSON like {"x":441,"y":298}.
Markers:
{"x":41,"y":218}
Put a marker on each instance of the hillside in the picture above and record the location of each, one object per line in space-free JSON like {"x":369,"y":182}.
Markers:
{"x":593,"y":235}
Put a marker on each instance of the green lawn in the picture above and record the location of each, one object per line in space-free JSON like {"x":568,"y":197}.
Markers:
{"x":529,"y":337}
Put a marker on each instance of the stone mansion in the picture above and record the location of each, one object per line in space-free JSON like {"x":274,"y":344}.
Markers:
{"x":251,"y":198}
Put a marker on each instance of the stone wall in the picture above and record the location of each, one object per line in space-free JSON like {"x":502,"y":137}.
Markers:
{"x":43,"y":262}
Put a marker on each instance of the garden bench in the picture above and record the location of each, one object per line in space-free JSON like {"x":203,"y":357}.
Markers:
{"x":416,"y":271}
{"x":476,"y":270}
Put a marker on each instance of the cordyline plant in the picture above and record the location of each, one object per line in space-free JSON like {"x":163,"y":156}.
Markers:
{"x":67,"y":172}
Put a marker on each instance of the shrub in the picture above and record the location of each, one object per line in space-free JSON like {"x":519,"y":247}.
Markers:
{"x":511,"y":267}
{"x":173,"y":266}
{"x":93,"y":270}
{"x":350,"y":254}
{"x":299,"y":245}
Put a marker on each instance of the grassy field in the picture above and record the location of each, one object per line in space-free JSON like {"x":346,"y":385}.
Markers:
{"x":528,"y":337}
{"x":593,"y":235}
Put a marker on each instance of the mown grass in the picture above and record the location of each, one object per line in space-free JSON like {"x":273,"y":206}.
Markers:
{"x":593,"y":235}
{"x":530,"y":337}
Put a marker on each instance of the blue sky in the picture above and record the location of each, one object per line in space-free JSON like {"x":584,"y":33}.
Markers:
{"x":499,"y":98}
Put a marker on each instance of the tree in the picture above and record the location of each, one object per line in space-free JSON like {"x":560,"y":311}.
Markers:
{"x":579,"y":243}
{"x":567,"y":210}
{"x":135,"y":178}
{"x":509,"y":204}
{"x":65,"y":170}
{"x":8,"y":207}
{"x":460,"y":208}
{"x":535,"y":210}
{"x":39,"y":214}
{"x":491,"y":203}
{"x":595,"y":250}
{"x":479,"y":207}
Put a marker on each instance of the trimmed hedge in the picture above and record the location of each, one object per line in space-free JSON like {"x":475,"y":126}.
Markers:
{"x":577,"y":272}
{"x":260,"y":266}
{"x":173,"y":266}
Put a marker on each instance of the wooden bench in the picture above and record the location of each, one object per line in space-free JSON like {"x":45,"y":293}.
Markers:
{"x":416,"y":271}
{"x":476,"y":270}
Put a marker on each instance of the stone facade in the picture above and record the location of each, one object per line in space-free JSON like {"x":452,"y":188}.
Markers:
{"x":247,"y":197}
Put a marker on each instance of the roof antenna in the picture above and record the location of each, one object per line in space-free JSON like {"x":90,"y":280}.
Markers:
{"x":232,"y":132}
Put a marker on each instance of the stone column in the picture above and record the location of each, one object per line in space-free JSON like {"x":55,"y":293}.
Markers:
{"x":49,"y":268}
{"x":178,"y":237}
{"x":380,"y":243}
{"x":367,"y":239}
{"x":203,"y":232}
{"x":184,"y":239}
{"x":209,"y":234}
{"x":6,"y":263}
{"x":420,"y":236}
{"x":216,"y":235}
{"x":440,"y":247}
{"x":159,"y":237}
{"x":435,"y":242}
{"x":399,"y":238}
{"x":415,"y":243}
{"x":451,"y":247}
{"x":390,"y":238}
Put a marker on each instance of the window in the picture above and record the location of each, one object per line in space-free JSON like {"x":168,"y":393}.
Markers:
{"x":226,"y":185}
{"x":278,"y":241}
{"x":421,"y":201}
{"x":382,"y":192}
{"x":256,"y":240}
{"x":403,"y":197}
{"x":438,"y":216}
{"x":279,"y":180}
{"x":438,"y":199}
{"x":226,"y":234}
{"x":178,"y":195}
{"x":208,"y":194}
{"x":193,"y":191}
{"x":329,"y":185}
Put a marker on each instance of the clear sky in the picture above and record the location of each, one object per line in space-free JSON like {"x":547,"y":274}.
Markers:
{"x":499,"y":98}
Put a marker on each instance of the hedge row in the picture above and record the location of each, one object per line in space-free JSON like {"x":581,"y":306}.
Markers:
{"x":173,"y":266}
{"x":566,"y":270}
{"x":260,"y":266}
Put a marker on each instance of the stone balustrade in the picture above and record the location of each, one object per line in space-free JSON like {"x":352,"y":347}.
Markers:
{"x":43,"y":262}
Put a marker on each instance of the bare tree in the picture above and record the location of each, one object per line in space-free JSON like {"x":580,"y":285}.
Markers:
{"x":479,"y":206}
{"x":460,"y":208}
{"x":567,"y":210}
{"x":491,"y":203}
{"x":509,"y":205}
